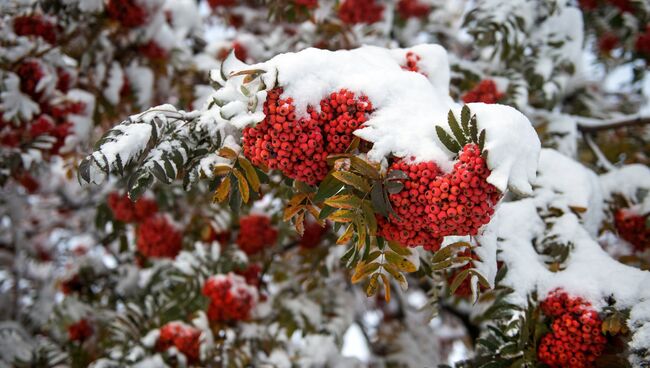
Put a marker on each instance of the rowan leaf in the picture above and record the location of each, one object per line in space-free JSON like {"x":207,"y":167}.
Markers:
{"x":397,"y":248}
{"x":401,"y":262}
{"x":250,"y":172}
{"x":222,"y":191}
{"x":398,"y":276}
{"x":473,"y":129}
{"x":373,"y":285}
{"x":342,"y":216}
{"x":481,"y":140}
{"x":455,"y":129}
{"x":327,"y":188}
{"x":364,"y":168}
{"x":464,"y":120}
{"x":353,"y":180}
{"x":227,"y":152}
{"x":290,"y":211}
{"x":447,"y":140}
{"x":458,"y":280}
{"x":346,"y":236}
{"x":244,"y":190}
{"x":384,"y":279}
{"x":345,"y":201}
{"x":363,"y":270}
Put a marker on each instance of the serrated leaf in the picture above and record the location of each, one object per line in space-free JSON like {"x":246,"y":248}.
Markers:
{"x":458,"y":280}
{"x":447,"y":140}
{"x":342,"y":216}
{"x":473,"y":129}
{"x":369,"y":217}
{"x":394,"y":187}
{"x":327,"y":188}
{"x":398,"y":276}
{"x":464,"y":120}
{"x":346,"y":236}
{"x":401,"y":262}
{"x":373,"y":285}
{"x":345,"y":201}
{"x":481,"y":140}
{"x":250,"y":172}
{"x":242,"y":185}
{"x":448,"y":251}
{"x":455,"y":129}
{"x":300,"y":223}
{"x":363,"y":270}
{"x":364,"y":168}
{"x":227,"y":152}
{"x":353,"y":180}
{"x":83,"y":172}
{"x":378,"y":199}
{"x":290,"y":211}
{"x":222,"y":191}
{"x":384,"y":279}
{"x":397,"y":248}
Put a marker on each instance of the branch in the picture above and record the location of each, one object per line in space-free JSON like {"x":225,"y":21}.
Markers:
{"x":600,"y":156}
{"x":586,"y":125}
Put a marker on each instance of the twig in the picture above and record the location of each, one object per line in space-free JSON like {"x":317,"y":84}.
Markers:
{"x":594,"y":126}
{"x":600,"y":156}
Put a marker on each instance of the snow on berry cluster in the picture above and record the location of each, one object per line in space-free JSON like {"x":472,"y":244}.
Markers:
{"x":412,"y":9}
{"x":575,"y":340}
{"x":299,"y":145}
{"x":184,"y":338}
{"x":360,"y":11}
{"x":35,"y":25}
{"x":486,"y":91}
{"x":412,"y":60}
{"x":633,"y":228}
{"x":158,"y":238}
{"x":433,"y":205}
{"x":80,"y":330}
{"x":231,"y":298}
{"x":126,"y":210}
{"x":255,"y":234}
{"x":129,"y":13}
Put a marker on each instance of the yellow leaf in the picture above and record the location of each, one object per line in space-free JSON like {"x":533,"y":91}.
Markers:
{"x":222,"y":191}
{"x":373,"y":285}
{"x":398,"y":276}
{"x":363,"y":270}
{"x":384,"y":279}
{"x":352,"y":179}
{"x":347,"y":235}
{"x":342,"y":216}
{"x":401,"y":262}
{"x":289,"y":212}
{"x":221,"y":169}
{"x":297,"y":199}
{"x":300,"y":223}
{"x":243,"y":185}
{"x":228,"y":153}
{"x":346,"y":201}
{"x":365,"y":168}
{"x":250,"y":172}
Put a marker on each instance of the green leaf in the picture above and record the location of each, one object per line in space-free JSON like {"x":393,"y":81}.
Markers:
{"x":327,"y":188}
{"x":346,"y":201}
{"x":369,"y":217}
{"x":455,"y":129}
{"x":481,"y":140}
{"x":447,"y":140}
{"x":464,"y":119}
{"x":473,"y":129}
{"x":364,"y":168}
{"x":378,"y":199}
{"x":353,"y":180}
{"x":458,"y":280}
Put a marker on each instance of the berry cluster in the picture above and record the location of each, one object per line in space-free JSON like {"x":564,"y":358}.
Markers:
{"x":299,"y":146}
{"x":127,"y":211}
{"x":632,"y":227}
{"x":360,"y":11}
{"x":35,"y":25}
{"x":240,"y":52}
{"x":225,"y":3}
{"x":486,"y":91}
{"x":184,"y":338}
{"x":72,"y":285}
{"x":432,"y":206}
{"x":231,"y":298}
{"x":642,"y":43}
{"x":80,"y":330}
{"x":412,"y":60}
{"x":54,"y":120}
{"x":312,"y":235}
{"x":158,"y":238}
{"x":575,"y":340}
{"x":251,"y":274}
{"x":153,"y":51}
{"x":412,"y":9}
{"x":129,"y":13}
{"x":607,"y":42}
{"x":255,"y":234}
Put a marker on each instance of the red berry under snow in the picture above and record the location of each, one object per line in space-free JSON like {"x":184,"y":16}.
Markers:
{"x":575,"y":340}
{"x":231,"y":298}
{"x":412,"y":60}
{"x":632,"y":227}
{"x":130,"y":13}
{"x":299,"y":146}
{"x":127,"y":211}
{"x":181,"y":336}
{"x":35,"y":25}
{"x":255,"y":234}
{"x":432,"y":205}
{"x":486,"y":91}
{"x":412,"y":9}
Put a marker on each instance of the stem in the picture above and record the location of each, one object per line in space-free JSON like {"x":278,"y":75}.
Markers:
{"x":600,"y":156}
{"x":594,"y":126}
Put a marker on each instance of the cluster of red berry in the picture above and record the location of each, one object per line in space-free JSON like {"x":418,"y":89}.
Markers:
{"x":251,"y":274}
{"x":255,"y":234}
{"x":153,"y":51}
{"x":432,"y":205}
{"x":127,"y":211}
{"x":412,"y":9}
{"x":632,"y":227}
{"x":575,"y":340}
{"x":312,"y":235}
{"x":412,"y":60}
{"x":184,"y":338}
{"x":72,"y":285}
{"x":231,"y":298}
{"x":80,"y":330}
{"x":35,"y":25}
{"x":129,"y":13}
{"x":240,"y":52}
{"x":486,"y":91}
{"x":607,"y":42}
{"x":360,"y":11}
{"x":299,"y":146}
{"x":53,"y":121}
{"x":225,"y":3}
{"x":158,"y":238}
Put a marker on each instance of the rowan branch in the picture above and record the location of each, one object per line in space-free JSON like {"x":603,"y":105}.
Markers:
{"x":593,"y":125}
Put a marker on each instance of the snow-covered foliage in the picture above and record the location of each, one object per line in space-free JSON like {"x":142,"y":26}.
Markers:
{"x":392,"y":183}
